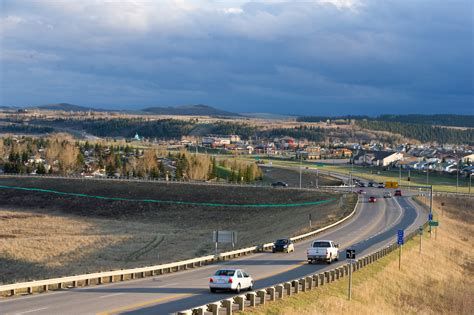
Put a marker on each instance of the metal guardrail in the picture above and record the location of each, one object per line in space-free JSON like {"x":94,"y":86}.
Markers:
{"x":142,"y":272}
{"x":295,"y":286}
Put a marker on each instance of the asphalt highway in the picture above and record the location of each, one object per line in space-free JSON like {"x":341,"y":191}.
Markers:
{"x":373,"y":226}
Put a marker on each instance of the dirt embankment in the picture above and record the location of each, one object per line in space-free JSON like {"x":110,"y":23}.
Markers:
{"x":48,"y":235}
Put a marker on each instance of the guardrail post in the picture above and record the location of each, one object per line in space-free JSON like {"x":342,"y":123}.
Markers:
{"x":213,"y":308}
{"x":29,"y":290}
{"x":341,"y":272}
{"x":310,"y":282}
{"x":346,"y":270}
{"x":303,"y":284}
{"x":327,"y":275}
{"x":279,"y":291}
{"x":60,"y":285}
{"x":111,"y":279}
{"x":296,"y":283}
{"x":99,"y":280}
{"x":262,"y":294}
{"x":88,"y":282}
{"x":74,"y":284}
{"x":45,"y":288}
{"x":271,"y":292}
{"x":227,"y":304}
{"x":251,"y":298}
{"x":316,"y":280}
{"x":288,"y":288}
{"x":332,"y":275}
{"x":336,"y":273}
{"x":240,"y":301}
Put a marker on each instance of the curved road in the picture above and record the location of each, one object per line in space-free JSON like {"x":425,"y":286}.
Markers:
{"x":373,"y":226}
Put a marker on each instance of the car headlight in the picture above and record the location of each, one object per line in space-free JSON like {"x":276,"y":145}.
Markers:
{"x":285,"y":246}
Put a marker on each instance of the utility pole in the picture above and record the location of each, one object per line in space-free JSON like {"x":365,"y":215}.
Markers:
{"x":317,"y":178}
{"x":409,"y":180}
{"x":420,"y":231}
{"x":301,"y":167}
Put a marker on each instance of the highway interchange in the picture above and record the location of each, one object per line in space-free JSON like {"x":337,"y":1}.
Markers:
{"x":373,"y":226}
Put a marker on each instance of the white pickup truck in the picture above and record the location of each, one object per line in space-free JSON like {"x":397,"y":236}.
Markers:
{"x":323,"y":250}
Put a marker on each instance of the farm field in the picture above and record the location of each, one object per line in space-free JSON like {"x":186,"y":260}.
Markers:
{"x":48,"y":235}
{"x":437,"y":281}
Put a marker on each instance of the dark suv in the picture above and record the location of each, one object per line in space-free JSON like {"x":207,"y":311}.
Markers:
{"x":279,"y":184}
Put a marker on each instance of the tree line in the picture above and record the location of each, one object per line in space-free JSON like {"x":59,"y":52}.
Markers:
{"x":422,"y":132}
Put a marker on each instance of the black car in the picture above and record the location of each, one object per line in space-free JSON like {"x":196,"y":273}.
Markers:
{"x":279,"y":184}
{"x":371,"y":184}
{"x":283,"y":245}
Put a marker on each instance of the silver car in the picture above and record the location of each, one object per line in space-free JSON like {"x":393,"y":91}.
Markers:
{"x":230,"y":280}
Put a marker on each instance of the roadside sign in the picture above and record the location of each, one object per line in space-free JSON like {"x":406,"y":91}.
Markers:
{"x":224,"y":237}
{"x":420,"y":230}
{"x":400,"y":234}
{"x":430,"y":216}
{"x":350,"y":254}
{"x":434,"y":223}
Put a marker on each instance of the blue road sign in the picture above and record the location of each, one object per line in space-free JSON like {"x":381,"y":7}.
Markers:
{"x":400,"y":237}
{"x":430,"y":216}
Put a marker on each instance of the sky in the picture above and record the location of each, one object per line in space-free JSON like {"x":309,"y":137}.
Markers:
{"x":319,"y":57}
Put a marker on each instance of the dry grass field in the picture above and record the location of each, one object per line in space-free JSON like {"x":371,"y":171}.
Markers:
{"x":44,"y":235}
{"x":439,"y":281}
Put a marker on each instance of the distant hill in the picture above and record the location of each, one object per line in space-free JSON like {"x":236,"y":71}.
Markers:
{"x":191,"y":110}
{"x":68,"y":107}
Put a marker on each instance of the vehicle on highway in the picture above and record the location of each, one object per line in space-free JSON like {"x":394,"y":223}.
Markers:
{"x":381,"y":185}
{"x":398,"y":193}
{"x":230,"y":280}
{"x":361,"y":192}
{"x":361,"y":184}
{"x":372,"y":199}
{"x":283,"y":245}
{"x":371,"y":184}
{"x":323,"y":250}
{"x":387,"y":194}
{"x":279,"y":184}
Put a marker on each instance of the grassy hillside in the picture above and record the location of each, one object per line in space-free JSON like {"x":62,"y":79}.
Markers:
{"x":439,"y":281}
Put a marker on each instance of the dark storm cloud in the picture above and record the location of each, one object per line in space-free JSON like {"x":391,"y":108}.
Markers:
{"x":320,"y":57}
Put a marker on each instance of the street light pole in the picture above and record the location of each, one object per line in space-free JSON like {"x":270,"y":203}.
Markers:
{"x":457,"y":176}
{"x":470,"y":177}
{"x":400,"y":176}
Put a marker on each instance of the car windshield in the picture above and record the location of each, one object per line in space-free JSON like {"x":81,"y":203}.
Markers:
{"x":321,"y":244}
{"x":281,"y":242}
{"x":227,"y":273}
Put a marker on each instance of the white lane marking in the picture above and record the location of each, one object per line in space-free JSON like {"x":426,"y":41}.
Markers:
{"x":31,"y":311}
{"x":33,"y":296}
{"x":109,"y":295}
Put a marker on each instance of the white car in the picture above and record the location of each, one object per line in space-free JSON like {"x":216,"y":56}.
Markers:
{"x":231,"y":280}
{"x":323,"y":250}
